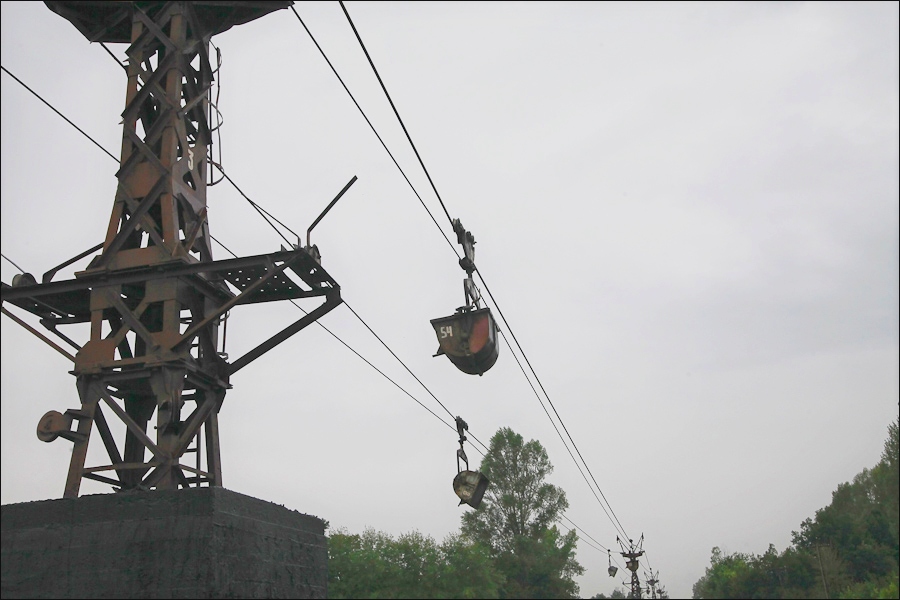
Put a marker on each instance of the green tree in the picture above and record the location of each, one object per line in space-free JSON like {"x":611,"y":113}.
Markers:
{"x":886,"y":482}
{"x":355,"y":566}
{"x":726,"y":577}
{"x":469,"y":571}
{"x":891,"y":454}
{"x":516,"y":521}
{"x":518,"y":501}
{"x":376,"y":565}
{"x":849,"y":549}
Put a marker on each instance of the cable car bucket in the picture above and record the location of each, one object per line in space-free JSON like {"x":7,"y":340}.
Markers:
{"x":468,"y":485}
{"x":468,"y":337}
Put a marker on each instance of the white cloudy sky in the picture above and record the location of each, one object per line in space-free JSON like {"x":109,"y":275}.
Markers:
{"x":687,"y":212}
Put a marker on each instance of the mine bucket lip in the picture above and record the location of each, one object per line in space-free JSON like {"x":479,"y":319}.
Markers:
{"x":459,"y":315}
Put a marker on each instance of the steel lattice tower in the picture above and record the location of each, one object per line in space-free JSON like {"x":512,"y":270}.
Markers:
{"x":154,"y":296}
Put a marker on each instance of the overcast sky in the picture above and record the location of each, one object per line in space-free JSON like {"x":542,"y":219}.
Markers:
{"x":688,"y":213}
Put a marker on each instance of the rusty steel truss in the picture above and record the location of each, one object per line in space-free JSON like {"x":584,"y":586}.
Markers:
{"x":154,"y":296}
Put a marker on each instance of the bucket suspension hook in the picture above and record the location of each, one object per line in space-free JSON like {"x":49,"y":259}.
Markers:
{"x":473,"y":295}
{"x":461,"y":453}
{"x":611,"y":570}
{"x":467,"y":262}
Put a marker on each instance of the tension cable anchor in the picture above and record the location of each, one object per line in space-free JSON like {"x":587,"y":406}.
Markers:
{"x":468,"y":485}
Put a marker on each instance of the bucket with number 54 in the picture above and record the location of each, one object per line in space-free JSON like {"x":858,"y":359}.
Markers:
{"x":468,"y":339}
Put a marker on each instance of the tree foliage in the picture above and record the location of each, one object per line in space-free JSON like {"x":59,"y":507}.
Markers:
{"x":375,"y":565}
{"x":516,"y":521}
{"x":518,"y":501}
{"x":849,"y":549}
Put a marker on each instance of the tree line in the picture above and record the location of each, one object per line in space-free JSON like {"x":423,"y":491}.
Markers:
{"x":849,"y":549}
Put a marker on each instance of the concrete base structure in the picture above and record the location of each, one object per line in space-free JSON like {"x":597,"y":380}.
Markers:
{"x":196,"y":543}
